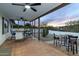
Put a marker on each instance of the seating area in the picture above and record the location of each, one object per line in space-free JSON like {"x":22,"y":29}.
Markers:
{"x":68,"y":41}
{"x":69,"y":44}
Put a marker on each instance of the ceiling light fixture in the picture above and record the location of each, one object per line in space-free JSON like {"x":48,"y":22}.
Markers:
{"x":27,"y":6}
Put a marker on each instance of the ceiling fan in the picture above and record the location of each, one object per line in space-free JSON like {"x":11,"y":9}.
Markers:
{"x":21,"y":18}
{"x":27,"y":6}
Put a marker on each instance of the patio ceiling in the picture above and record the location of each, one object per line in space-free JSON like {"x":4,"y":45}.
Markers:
{"x":14,"y":12}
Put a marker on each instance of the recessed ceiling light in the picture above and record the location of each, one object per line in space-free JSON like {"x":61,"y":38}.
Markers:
{"x":27,"y":6}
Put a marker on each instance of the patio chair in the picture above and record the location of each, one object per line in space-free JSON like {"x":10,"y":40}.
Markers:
{"x":27,"y":33}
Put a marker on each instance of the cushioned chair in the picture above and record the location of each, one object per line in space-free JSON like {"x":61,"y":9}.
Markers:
{"x":13,"y":33}
{"x":27,"y":33}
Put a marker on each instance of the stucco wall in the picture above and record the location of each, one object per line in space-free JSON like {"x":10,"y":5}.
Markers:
{"x":4,"y":36}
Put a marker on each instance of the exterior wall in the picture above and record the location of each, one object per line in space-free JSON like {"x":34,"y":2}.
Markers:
{"x":4,"y":36}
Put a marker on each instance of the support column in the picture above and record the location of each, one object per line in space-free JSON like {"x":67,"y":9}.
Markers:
{"x":38,"y":28}
{"x":11,"y":26}
{"x":34,"y":28}
{"x":24,"y":25}
{"x":18,"y":24}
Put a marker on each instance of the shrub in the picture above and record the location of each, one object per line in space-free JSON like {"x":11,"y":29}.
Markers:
{"x":45,"y":32}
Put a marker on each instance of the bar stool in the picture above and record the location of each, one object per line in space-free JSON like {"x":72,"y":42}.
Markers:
{"x":72,"y":44}
{"x":62,"y":40}
{"x":56,"y":39}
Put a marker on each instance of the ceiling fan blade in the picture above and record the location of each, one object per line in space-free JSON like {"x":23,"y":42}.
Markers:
{"x":18,"y":4}
{"x":34,"y":9}
{"x":27,"y":3}
{"x":35,"y":4}
{"x":24,"y":10}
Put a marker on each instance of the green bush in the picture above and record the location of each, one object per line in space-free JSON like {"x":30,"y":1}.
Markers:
{"x":45,"y":32}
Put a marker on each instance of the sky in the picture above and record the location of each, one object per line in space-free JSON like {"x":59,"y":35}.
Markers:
{"x":61,"y":16}
{"x":65,"y":14}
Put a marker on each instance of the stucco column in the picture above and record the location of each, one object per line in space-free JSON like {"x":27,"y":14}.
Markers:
{"x":34,"y":28}
{"x":38,"y":28}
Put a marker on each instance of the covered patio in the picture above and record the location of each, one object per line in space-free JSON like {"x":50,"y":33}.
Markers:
{"x":25,"y":33}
